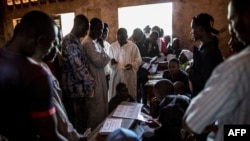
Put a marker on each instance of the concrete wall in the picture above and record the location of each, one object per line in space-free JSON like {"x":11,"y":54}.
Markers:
{"x":107,"y":10}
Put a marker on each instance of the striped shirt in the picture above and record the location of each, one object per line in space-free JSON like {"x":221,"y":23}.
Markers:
{"x":225,"y":97}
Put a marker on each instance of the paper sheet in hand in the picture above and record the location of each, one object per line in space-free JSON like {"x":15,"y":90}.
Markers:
{"x":110,"y":125}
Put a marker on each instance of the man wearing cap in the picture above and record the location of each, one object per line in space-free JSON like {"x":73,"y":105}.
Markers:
{"x":207,"y":55}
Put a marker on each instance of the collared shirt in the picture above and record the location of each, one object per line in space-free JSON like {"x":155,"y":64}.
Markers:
{"x":225,"y":97}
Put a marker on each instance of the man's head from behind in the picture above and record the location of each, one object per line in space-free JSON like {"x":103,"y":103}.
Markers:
{"x":179,"y":87}
{"x":35,"y":32}
{"x":163,"y":88}
{"x":96,"y":28}
{"x":122,"y":90}
{"x":81,"y":26}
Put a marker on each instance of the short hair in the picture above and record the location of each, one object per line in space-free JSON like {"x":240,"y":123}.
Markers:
{"x":156,"y":28}
{"x":154,"y":34}
{"x":81,"y":19}
{"x":137,"y":34}
{"x":94,"y":22}
{"x":120,"y":87}
{"x":164,"y":87}
{"x":34,"y":24}
{"x":137,"y":30}
{"x":167,"y":37}
{"x":122,"y":31}
{"x":179,"y":87}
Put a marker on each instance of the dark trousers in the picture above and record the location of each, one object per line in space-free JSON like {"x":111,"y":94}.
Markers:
{"x":77,"y":112}
{"x":142,"y":91}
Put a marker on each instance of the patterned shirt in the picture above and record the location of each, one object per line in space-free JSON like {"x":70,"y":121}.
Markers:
{"x":225,"y":97}
{"x":76,"y":78}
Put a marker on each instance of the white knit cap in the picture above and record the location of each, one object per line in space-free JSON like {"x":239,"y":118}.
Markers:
{"x":187,"y":53}
{"x":171,"y":56}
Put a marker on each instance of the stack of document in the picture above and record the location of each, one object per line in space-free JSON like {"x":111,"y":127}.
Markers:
{"x":110,"y":125}
{"x":124,"y":110}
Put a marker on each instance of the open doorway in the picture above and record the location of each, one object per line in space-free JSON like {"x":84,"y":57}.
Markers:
{"x":140,"y":16}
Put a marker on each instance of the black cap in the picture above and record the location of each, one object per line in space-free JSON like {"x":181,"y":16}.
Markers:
{"x":205,"y":20}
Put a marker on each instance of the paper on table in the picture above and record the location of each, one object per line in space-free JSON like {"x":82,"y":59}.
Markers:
{"x":110,"y":125}
{"x":130,"y":111}
{"x":144,"y":117}
{"x":127,"y":111}
{"x":153,"y":69}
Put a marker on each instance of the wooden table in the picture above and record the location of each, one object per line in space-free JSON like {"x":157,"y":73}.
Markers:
{"x":126,"y":123}
{"x":156,"y":76}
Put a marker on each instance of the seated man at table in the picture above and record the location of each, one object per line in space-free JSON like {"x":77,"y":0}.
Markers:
{"x":169,"y":113}
{"x":174,"y":73}
{"x":122,"y":94}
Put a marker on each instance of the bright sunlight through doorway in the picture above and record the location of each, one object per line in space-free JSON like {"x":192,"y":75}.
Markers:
{"x":140,"y":16}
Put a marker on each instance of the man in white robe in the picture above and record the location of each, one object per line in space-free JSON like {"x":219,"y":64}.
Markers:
{"x":124,"y":64}
{"x":97,"y":105}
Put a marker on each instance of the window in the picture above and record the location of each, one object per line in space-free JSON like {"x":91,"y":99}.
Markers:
{"x":67,"y":21}
{"x":143,"y":15}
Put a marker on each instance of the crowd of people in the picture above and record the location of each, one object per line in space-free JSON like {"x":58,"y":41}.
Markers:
{"x":61,"y":87}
